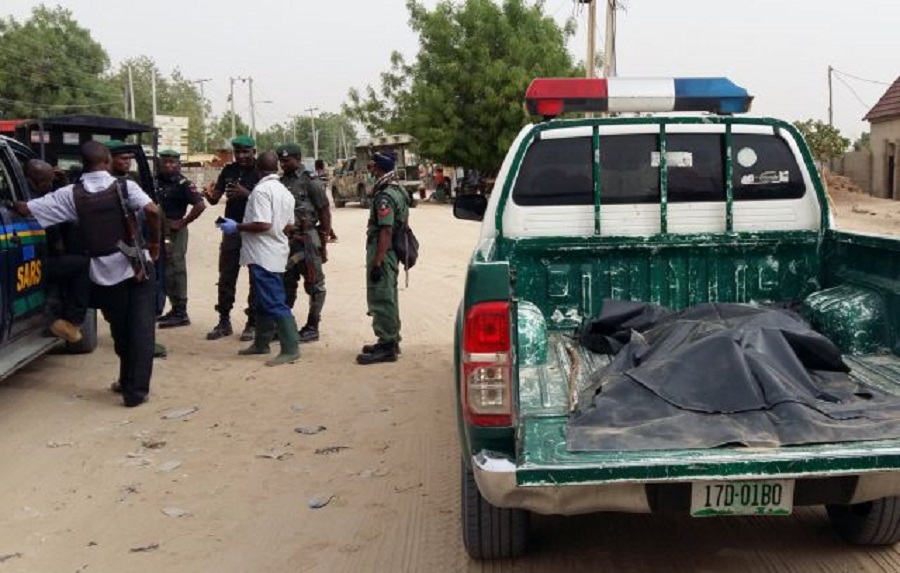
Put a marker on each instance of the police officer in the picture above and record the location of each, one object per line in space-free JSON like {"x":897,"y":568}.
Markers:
{"x":236,"y":181}
{"x":120,"y":166}
{"x":312,"y":223}
{"x":390,"y":207}
{"x":175,"y":192}
{"x":125,"y":298}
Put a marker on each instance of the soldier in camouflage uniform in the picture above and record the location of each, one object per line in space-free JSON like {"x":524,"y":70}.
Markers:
{"x":390,"y":206}
{"x":175,"y":193}
{"x":312,"y":226}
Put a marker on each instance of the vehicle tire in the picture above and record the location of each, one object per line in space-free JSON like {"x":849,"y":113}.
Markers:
{"x":338,"y":203}
{"x":491,"y":532}
{"x":88,"y":340}
{"x":871,"y":523}
{"x":363,"y":198}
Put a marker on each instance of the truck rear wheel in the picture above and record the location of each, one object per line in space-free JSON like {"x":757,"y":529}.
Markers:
{"x":88,"y":340}
{"x":491,"y":532}
{"x":339,"y":203}
{"x":871,"y":523}
{"x":363,"y":199}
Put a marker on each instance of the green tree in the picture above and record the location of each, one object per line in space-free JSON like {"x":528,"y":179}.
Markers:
{"x":220,"y":130}
{"x":462,"y":96}
{"x":864,"y":142}
{"x":175,"y":95}
{"x":825,"y":141}
{"x":49,"y":65}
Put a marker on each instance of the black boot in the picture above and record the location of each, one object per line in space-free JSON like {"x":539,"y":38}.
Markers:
{"x":222,"y":329}
{"x":382,"y":352}
{"x":249,"y":332}
{"x":310,"y":331}
{"x":178,"y":317}
{"x":370,"y":348}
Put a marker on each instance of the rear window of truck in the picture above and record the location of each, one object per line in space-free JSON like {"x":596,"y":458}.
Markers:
{"x":559,"y":171}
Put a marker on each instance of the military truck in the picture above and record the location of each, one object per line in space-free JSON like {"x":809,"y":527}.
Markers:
{"x":25,"y":297}
{"x":704,"y":211}
{"x":352,"y":182}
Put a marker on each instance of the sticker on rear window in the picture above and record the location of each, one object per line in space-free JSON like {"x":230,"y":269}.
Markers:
{"x":766,"y":178}
{"x":673,"y":159}
{"x":747,"y":157}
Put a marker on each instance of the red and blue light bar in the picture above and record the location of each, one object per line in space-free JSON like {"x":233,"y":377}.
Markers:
{"x":550,"y":97}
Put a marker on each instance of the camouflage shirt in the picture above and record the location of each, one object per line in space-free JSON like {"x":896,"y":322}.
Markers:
{"x":309,"y":196}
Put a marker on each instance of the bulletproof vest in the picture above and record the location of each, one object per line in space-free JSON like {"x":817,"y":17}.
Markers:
{"x":100,"y":219}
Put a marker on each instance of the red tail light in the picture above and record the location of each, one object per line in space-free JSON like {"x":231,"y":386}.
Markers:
{"x":486,"y":375}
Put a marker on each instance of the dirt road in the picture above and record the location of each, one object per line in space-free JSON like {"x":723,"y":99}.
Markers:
{"x":88,"y":485}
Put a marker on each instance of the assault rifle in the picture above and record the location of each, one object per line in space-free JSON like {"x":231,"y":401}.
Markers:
{"x":135,"y":251}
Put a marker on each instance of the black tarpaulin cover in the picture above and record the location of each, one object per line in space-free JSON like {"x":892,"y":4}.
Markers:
{"x":720,"y":374}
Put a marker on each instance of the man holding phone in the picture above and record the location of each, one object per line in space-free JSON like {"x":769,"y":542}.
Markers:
{"x":235,"y":182}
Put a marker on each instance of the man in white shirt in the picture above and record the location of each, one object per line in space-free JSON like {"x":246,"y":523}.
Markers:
{"x":265,"y":250}
{"x":128,"y":302}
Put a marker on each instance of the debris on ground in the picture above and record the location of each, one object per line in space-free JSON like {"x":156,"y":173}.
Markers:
{"x":53,"y":444}
{"x":12,"y":556}
{"x":310,"y":430}
{"x":175,"y":512}
{"x":274,"y":454}
{"x":330,"y":450}
{"x":169,"y":466}
{"x":180,"y":413}
{"x":144,"y":548}
{"x":319,"y":501}
{"x":153,"y":443}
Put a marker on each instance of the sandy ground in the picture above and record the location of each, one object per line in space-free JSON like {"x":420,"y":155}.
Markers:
{"x":88,"y":485}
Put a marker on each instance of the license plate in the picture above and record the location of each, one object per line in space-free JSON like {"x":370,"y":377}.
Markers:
{"x":767,"y":497}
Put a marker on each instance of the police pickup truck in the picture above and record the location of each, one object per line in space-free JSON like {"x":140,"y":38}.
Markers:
{"x":24,"y":294}
{"x":682,"y":210}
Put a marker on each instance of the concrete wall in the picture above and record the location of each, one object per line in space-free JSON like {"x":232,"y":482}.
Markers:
{"x":857,"y":165}
{"x":885,"y":143}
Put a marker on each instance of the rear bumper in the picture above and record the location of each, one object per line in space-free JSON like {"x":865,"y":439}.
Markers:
{"x":496,"y":478}
{"x":498,"y":484}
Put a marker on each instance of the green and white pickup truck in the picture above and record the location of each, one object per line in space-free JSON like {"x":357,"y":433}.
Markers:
{"x":678,"y":210}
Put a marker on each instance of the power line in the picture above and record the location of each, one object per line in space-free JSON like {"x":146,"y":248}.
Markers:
{"x":860,"y":79}
{"x":856,"y":95}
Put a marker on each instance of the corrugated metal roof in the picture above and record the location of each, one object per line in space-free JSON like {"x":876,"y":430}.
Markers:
{"x":888,"y":107}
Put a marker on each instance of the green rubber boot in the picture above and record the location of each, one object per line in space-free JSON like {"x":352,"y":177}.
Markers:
{"x":289,"y":340}
{"x":265,"y":330}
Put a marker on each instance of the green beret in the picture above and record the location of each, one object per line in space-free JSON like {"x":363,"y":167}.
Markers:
{"x":243,"y":141}
{"x":289,"y":149}
{"x":115,"y":147}
{"x":169,"y":153}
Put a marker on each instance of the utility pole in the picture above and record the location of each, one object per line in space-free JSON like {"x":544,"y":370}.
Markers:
{"x":315,"y":136}
{"x":231,"y":99}
{"x":830,"y":97}
{"x":153,"y":94}
{"x":203,"y":111}
{"x":252,"y":111}
{"x":591,"y":37}
{"x":609,"y":50}
{"x":131,"y":90}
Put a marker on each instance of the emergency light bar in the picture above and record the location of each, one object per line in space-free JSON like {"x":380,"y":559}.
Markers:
{"x":550,"y":97}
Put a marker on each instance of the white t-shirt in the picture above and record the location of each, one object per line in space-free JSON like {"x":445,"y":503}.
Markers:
{"x":59,"y":207}
{"x":270,"y":202}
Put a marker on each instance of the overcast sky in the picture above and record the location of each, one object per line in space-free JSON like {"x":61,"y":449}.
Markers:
{"x":308,"y":53}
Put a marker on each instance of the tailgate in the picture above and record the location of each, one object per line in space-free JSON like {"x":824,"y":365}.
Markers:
{"x":544,"y":460}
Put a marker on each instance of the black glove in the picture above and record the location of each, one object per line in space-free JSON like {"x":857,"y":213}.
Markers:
{"x":375,"y":274}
